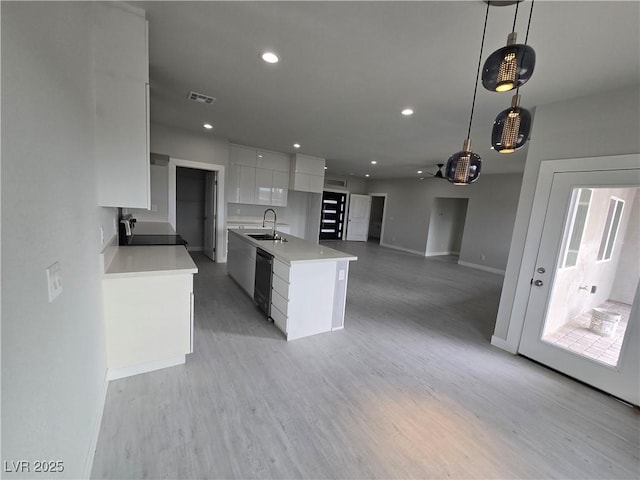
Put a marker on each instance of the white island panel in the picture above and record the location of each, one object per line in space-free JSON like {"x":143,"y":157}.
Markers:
{"x":310,"y":299}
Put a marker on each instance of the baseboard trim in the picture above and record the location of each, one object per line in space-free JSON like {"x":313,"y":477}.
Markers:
{"x":503,"y":344}
{"x":437,"y":254}
{"x":97,"y":423}
{"x":402,"y":249}
{"x":115,"y":374}
{"x":481,"y":267}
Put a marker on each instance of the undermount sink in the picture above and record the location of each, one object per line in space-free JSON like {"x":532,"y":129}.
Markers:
{"x":266,"y":236}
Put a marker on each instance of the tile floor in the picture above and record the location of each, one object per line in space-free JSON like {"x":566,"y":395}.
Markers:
{"x":576,"y":336}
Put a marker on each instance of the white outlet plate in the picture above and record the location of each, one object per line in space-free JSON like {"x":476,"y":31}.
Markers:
{"x":54,"y":281}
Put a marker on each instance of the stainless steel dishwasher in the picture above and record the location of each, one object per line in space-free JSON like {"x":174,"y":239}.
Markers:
{"x":262,"y":288}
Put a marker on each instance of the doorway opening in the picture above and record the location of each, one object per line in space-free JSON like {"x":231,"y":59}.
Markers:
{"x":190,"y":185}
{"x":212,"y":217}
{"x":332,"y":215}
{"x":376,"y":219}
{"x":446,"y":226}
{"x":195,"y":208}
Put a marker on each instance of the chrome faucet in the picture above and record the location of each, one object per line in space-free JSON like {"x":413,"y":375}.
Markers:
{"x":275,"y":216}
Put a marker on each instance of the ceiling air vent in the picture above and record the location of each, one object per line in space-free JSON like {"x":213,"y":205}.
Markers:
{"x":201,"y":98}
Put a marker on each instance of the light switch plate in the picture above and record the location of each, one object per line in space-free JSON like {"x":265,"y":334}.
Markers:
{"x":54,"y":281}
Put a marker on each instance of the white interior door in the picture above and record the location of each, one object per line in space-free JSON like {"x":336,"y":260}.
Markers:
{"x":358,"y":220}
{"x":582,"y":315}
{"x":210,"y":215}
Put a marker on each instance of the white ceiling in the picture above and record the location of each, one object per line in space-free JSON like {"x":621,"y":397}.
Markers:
{"x":347,"y":69}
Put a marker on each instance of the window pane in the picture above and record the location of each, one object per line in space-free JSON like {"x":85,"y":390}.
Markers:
{"x":614,"y":229}
{"x":579,"y":222}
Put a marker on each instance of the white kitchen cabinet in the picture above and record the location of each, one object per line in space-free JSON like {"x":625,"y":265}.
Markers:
{"x":307,"y":173}
{"x":280,"y":189}
{"x":257,"y":177}
{"x":241,"y":263}
{"x":148,"y":319}
{"x":121,"y":72}
{"x":247,"y":186}
{"x":303,"y":298}
{"x":245,"y":156}
{"x":264,"y":185}
{"x":278,"y":162}
{"x":241,"y":184}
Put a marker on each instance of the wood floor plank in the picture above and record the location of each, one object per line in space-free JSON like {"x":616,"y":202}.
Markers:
{"x":411,"y":388}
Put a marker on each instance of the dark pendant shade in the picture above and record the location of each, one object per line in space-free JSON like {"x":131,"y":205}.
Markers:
{"x":511,"y":128}
{"x":509,"y":67}
{"x":463,"y":167}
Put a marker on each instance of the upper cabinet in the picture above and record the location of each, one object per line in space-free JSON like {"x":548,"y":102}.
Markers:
{"x":307,"y":173}
{"x":121,"y":71}
{"x":257,"y":177}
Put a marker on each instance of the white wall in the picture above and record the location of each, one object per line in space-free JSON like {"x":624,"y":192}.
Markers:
{"x":446,"y":226}
{"x":598,"y":125}
{"x":353,"y":184}
{"x":628,"y":274}
{"x":489,"y":220}
{"x":53,"y":354}
{"x":186,"y":145}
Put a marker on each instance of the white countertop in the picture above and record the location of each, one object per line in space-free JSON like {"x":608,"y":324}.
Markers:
{"x":295,"y":250}
{"x":150,"y":260}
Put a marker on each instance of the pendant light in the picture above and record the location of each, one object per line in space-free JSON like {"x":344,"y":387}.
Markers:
{"x":512,"y":65}
{"x":464,"y":167}
{"x":512,"y":126}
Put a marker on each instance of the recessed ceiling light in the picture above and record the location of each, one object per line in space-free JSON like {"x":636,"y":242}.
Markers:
{"x":259,"y":155}
{"x":269,"y":57}
{"x":326,"y":168}
{"x":421,"y":178}
{"x":407,"y":112}
{"x":296,"y":145}
{"x":208,"y":126}
{"x":419,"y":171}
{"x":373,"y":162}
{"x":367,"y":175}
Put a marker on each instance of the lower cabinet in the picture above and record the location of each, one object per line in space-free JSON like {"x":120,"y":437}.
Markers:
{"x":241,"y":263}
{"x":302,"y":298}
{"x":149,"y":322}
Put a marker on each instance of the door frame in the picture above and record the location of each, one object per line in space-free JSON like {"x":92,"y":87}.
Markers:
{"x":221,"y":250}
{"x":548,"y":169}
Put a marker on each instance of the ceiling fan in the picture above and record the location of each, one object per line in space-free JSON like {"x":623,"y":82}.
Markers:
{"x":438,"y":174}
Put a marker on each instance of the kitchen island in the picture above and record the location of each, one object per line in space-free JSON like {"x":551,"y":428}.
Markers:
{"x":309,"y":281}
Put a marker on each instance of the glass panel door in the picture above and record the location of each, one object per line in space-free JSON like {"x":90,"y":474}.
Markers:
{"x":582,"y":313}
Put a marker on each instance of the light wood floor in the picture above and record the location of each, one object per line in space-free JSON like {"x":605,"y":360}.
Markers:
{"x":411,"y":388}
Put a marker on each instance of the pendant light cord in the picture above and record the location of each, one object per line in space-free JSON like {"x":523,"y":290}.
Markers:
{"x":529,"y":23}
{"x":526,"y":38}
{"x":515,"y":17}
{"x":475,"y":91}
